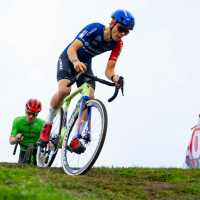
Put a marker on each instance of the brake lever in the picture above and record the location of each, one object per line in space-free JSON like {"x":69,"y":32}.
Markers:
{"x":122,"y":89}
{"x":121,"y":81}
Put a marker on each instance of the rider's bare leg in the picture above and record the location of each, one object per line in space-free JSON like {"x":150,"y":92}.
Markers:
{"x":61,"y":94}
{"x":57,"y":99}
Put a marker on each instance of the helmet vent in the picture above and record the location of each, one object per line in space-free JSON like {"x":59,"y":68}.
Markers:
{"x":131,"y":23}
{"x":122,"y":19}
{"x":35,"y":101}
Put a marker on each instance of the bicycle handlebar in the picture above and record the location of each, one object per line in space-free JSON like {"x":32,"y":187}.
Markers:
{"x":16,"y":140}
{"x":23,"y":145}
{"x":95,"y":78}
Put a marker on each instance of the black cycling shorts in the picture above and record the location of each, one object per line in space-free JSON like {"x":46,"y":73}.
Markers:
{"x":65,"y":70}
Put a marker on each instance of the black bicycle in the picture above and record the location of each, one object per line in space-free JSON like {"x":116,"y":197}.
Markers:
{"x":30,"y":156}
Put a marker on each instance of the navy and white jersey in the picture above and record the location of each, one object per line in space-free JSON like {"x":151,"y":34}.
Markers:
{"x":92,"y":37}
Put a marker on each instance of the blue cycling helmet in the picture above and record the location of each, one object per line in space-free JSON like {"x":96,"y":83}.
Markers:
{"x":124,"y":17}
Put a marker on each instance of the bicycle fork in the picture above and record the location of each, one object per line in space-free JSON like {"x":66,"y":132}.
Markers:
{"x":88,"y":136}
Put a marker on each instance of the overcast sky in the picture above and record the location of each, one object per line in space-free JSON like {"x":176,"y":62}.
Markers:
{"x":150,"y":125}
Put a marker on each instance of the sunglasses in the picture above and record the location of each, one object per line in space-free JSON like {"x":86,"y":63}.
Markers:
{"x":29,"y":113}
{"x":121,"y":29}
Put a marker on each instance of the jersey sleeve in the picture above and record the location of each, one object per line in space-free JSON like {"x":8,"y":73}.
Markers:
{"x":88,"y":32}
{"x":116,"y":51}
{"x":15,"y":126}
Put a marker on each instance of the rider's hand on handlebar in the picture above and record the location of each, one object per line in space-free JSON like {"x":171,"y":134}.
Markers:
{"x":20,"y":138}
{"x":116,"y":79}
{"x":79,"y":66}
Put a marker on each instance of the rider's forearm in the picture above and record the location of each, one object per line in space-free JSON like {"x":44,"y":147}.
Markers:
{"x":72,"y":53}
{"x":12,"y":140}
{"x":110,"y":69}
{"x":73,"y":48}
{"x":109,"y":73}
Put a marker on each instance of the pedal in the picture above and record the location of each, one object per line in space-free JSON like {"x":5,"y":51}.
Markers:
{"x":55,"y":139}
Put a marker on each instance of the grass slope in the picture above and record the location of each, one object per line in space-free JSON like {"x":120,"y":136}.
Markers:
{"x":29,"y":182}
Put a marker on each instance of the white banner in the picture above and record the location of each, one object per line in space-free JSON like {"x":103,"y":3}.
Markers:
{"x":192,"y":159}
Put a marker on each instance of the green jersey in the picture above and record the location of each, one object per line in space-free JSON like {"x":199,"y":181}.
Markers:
{"x":31,"y":131}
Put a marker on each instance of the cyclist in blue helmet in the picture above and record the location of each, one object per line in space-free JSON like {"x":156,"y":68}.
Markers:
{"x":124,"y":18}
{"x":92,"y":40}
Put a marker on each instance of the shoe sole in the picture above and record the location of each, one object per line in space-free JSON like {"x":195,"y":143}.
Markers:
{"x":80,"y":149}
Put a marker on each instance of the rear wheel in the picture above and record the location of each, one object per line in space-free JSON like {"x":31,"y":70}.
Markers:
{"x":28,"y":155}
{"x":46,"y":156}
{"x":79,"y":164}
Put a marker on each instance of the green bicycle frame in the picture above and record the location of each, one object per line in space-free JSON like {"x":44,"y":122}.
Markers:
{"x":85,"y":89}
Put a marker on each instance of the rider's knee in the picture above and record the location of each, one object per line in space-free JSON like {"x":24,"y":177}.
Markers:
{"x":63,"y":92}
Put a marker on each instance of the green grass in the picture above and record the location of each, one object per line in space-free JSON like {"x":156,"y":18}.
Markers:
{"x":19,"y":181}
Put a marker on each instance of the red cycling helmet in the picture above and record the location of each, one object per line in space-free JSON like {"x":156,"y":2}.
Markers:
{"x":34,"y":105}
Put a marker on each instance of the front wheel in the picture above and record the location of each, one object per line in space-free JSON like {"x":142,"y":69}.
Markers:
{"x":46,"y":156}
{"x":79,"y":164}
{"x":28,"y":154}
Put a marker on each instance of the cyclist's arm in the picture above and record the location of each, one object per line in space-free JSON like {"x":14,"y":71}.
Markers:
{"x":86,"y":33}
{"x":72,"y":53}
{"x":15,"y":131}
{"x":12,"y":138}
{"x":110,"y":69}
{"x":72,"y":50}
